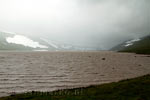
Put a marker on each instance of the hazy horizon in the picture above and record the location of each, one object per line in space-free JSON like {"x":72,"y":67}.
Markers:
{"x":86,"y":23}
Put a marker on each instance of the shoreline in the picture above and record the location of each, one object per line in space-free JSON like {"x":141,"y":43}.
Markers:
{"x":113,"y":91}
{"x":48,"y":71}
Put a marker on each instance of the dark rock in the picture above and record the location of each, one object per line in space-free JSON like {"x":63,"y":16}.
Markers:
{"x":103,"y":58}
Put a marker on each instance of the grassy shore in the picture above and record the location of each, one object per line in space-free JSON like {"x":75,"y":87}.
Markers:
{"x":130,"y":89}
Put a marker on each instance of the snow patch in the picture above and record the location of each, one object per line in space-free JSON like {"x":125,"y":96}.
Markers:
{"x":129,"y":43}
{"x":19,"y":39}
{"x":40,"y":50}
{"x":49,"y":42}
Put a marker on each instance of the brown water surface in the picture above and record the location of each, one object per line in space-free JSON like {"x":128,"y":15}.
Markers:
{"x":48,"y":71}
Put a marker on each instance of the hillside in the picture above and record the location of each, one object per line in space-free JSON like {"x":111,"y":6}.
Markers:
{"x":4,"y":45}
{"x":17,"y":42}
{"x":139,"y":46}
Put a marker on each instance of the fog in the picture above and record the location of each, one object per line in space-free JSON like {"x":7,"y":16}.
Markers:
{"x":86,"y":23}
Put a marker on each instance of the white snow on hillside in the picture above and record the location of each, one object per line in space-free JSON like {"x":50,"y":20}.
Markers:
{"x":20,"y":39}
{"x":129,"y":43}
{"x":49,"y":42}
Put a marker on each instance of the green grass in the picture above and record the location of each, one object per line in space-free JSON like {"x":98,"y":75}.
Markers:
{"x":130,"y":89}
{"x":140,"y":47}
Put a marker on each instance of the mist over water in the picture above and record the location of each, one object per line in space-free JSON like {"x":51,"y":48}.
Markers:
{"x":86,"y":23}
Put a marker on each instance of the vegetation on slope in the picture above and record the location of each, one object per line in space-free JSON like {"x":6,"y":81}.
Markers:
{"x":130,"y":89}
{"x":140,"y":47}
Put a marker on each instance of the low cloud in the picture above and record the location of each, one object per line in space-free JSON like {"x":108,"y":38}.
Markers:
{"x":87,"y":23}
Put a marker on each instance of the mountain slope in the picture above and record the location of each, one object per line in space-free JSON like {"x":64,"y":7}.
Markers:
{"x":4,"y":45}
{"x":9,"y":41}
{"x":139,"y":46}
{"x":13,"y":41}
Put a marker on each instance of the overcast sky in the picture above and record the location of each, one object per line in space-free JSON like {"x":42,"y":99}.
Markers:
{"x":88,"y":23}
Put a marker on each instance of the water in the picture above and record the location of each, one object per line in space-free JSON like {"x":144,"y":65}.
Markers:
{"x":48,"y":71}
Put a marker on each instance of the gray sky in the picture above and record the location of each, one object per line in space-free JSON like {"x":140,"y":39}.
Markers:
{"x":88,"y":23}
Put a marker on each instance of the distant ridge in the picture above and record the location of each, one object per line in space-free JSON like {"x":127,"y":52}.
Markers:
{"x":4,"y":45}
{"x":139,"y":46}
{"x":16,"y":42}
